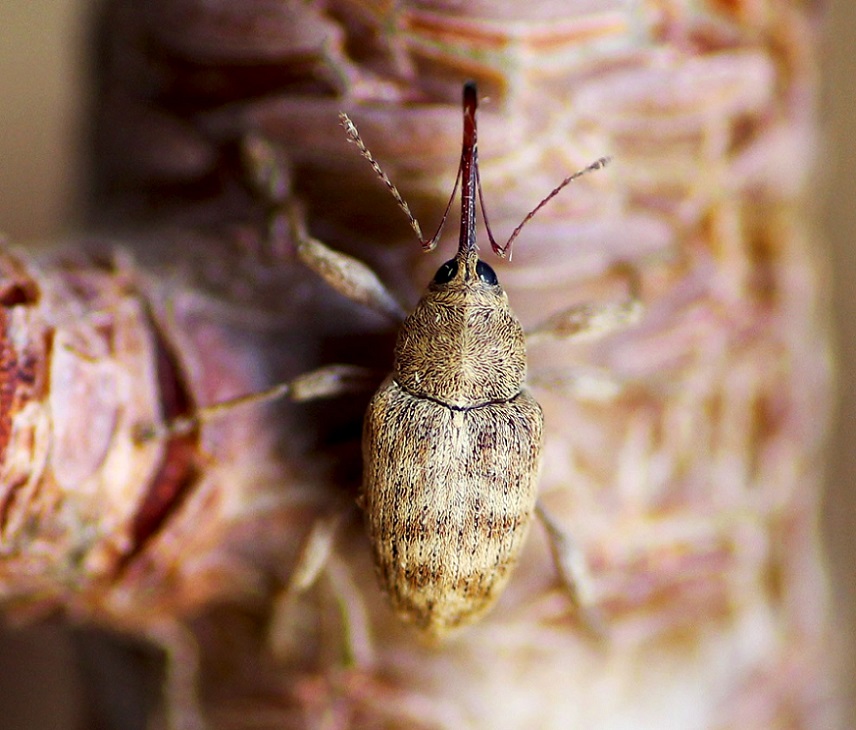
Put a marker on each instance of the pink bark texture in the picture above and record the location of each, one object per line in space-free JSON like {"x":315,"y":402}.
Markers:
{"x":687,"y":474}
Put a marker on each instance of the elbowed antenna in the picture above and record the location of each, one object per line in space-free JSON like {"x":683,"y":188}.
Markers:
{"x":501,"y":251}
{"x":428,"y":244}
{"x":468,"y":172}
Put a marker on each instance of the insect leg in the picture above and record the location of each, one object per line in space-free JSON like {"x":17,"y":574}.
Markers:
{"x":328,"y":381}
{"x":347,"y":275}
{"x":314,"y":555}
{"x":572,"y":569}
{"x":181,"y":699}
{"x":317,"y":558}
{"x":590,"y":321}
{"x":268,"y":172}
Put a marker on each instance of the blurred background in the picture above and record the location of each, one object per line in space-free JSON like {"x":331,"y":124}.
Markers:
{"x":43,"y":100}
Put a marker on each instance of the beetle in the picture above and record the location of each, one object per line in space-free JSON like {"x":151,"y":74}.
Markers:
{"x":452,"y":439}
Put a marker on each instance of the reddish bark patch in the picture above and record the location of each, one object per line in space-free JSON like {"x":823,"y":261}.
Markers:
{"x":18,"y":293}
{"x":8,"y":387}
{"x":16,"y":288}
{"x":178,"y":471}
{"x":18,"y":379}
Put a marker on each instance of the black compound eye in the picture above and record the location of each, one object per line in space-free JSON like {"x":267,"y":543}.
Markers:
{"x":486,"y":274}
{"x":446,"y":272}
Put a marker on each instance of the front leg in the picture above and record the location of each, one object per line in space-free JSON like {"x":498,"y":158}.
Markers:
{"x":347,"y":275}
{"x":267,"y":168}
{"x":584,"y":322}
{"x":590,"y":321}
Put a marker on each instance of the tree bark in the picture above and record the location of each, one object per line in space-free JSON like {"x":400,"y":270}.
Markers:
{"x":693,"y":493}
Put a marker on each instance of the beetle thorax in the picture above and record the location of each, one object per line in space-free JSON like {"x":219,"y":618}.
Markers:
{"x":461,"y":347}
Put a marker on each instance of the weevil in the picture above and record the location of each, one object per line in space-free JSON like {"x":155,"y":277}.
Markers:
{"x":452,"y":439}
